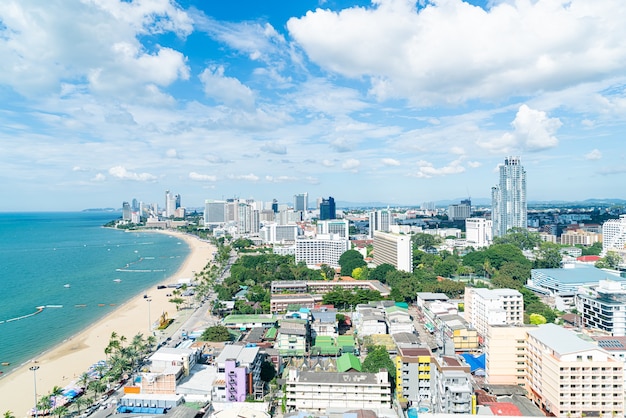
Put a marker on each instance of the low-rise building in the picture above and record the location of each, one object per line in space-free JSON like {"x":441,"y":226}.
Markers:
{"x":413,"y":374}
{"x":603,"y":307}
{"x":320,"y":391}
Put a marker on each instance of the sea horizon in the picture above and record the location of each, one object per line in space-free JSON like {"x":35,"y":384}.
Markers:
{"x":78,"y":270}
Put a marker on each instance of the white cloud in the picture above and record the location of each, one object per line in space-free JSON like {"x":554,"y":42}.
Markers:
{"x":328,"y":163}
{"x":171,"y":153}
{"x":201,"y":177}
{"x":351,"y":164}
{"x":511,"y":48}
{"x":390,"y":162}
{"x":224,"y":89}
{"x":45,"y":46}
{"x":121,"y":173}
{"x":457,"y":150}
{"x":428,"y":170}
{"x":280,"y":179}
{"x":533,"y":131}
{"x":274,"y":148}
{"x":473,"y":164}
{"x":99,"y":177}
{"x":246,"y":177}
{"x":595,"y":154}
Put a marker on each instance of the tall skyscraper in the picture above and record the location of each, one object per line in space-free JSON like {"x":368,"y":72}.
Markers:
{"x":508,"y":199}
{"x":301,"y":202}
{"x":327,"y":209}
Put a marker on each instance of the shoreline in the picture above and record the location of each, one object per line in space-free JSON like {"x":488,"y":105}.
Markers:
{"x":66,"y":361}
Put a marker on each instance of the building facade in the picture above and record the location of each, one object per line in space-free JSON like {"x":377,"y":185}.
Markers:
{"x":394,"y":249}
{"x":603,"y":307}
{"x":478,"y":232}
{"x":614,"y":236}
{"x":485,"y":307}
{"x":327,"y":209}
{"x":508,"y":198}
{"x":324,"y":249}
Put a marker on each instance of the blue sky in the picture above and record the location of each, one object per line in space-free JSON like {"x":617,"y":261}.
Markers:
{"x":103,"y":101}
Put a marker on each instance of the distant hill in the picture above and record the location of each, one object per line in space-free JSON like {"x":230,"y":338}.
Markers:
{"x":482,"y":201}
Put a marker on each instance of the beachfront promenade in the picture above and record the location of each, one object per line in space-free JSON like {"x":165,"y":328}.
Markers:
{"x":66,"y":362}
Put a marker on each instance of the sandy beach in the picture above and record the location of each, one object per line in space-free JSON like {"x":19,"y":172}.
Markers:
{"x":67,"y":361}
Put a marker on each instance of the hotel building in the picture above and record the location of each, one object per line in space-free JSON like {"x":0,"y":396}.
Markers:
{"x":484,"y":307}
{"x":394,"y":249}
{"x":478,"y":232}
{"x":324,"y":249}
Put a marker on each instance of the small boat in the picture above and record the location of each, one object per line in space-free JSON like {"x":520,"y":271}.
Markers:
{"x":6,"y":363}
{"x":117,"y":280}
{"x":66,"y":285}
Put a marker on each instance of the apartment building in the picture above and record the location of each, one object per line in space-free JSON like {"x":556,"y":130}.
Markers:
{"x":570,"y":377}
{"x":484,"y":307}
{"x":505,"y":350}
{"x":280,"y":302}
{"x":451,"y":386}
{"x":394,"y":249}
{"x":580,"y":237}
{"x":320,"y":391}
{"x":478,"y":232}
{"x":413,"y":374}
{"x":603,"y":307}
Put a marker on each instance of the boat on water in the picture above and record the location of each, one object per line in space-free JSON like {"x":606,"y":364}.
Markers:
{"x":6,"y":363}
{"x":66,"y":285}
{"x":117,"y":280}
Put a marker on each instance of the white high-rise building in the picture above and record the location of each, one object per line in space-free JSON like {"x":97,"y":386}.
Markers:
{"x":508,"y":198}
{"x":394,"y":249}
{"x":380,"y":220}
{"x":478,"y":232}
{"x":485,"y":307}
{"x":614,"y":235}
{"x":339,"y":227}
{"x":323,"y":249}
{"x":171,"y":202}
{"x":214,"y":212}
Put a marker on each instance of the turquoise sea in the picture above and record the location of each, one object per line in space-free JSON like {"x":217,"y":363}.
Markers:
{"x":69,"y":261}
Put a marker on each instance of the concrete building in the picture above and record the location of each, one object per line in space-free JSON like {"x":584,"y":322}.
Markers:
{"x":337,"y":227}
{"x":451,"y":386}
{"x":614,"y":236}
{"x":292,"y":338}
{"x":301,"y":202}
{"x":323,"y":249}
{"x":319,"y":287}
{"x":273,"y":233}
{"x":459,"y":212}
{"x":240,"y":367}
{"x":570,"y":377}
{"x":484,"y":307}
{"x":324,"y":323}
{"x":413,"y":375}
{"x":214,"y":212}
{"x":580,"y":237}
{"x":280,"y":302}
{"x":394,"y":249}
{"x":508,"y":198}
{"x":505,"y":349}
{"x":603,"y":307}
{"x":478,"y":232}
{"x":321,"y":391}
{"x":379,"y":220}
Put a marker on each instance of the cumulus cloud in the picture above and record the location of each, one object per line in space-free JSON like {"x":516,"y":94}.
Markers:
{"x":201,"y":177}
{"x":280,"y":179}
{"x":227,"y":90}
{"x":595,"y":154}
{"x":247,"y":177}
{"x":171,"y":153}
{"x":40,"y":52}
{"x":428,"y":170}
{"x":351,"y":164}
{"x":416,"y":52}
{"x":328,"y":163}
{"x":99,"y":177}
{"x":274,"y":148}
{"x":390,"y":162}
{"x":533,"y":131}
{"x":473,"y":164}
{"x":121,"y":173}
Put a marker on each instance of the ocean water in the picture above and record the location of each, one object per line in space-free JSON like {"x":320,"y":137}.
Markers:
{"x":69,"y":261}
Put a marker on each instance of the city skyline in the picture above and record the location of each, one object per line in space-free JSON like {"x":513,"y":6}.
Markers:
{"x":387,"y":101}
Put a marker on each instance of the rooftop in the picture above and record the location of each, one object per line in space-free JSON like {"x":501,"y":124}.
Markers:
{"x":578,"y":274}
{"x":559,"y":339}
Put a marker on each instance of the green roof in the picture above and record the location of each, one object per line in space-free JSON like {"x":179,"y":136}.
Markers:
{"x":323,"y":339}
{"x":271,"y":333}
{"x":348,"y":361}
{"x":396,"y":308}
{"x":345,"y":339}
{"x":234,"y":319}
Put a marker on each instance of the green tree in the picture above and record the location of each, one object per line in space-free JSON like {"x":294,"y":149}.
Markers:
{"x":378,"y":358}
{"x":380,"y":272}
{"x":360,"y":273}
{"x":215,"y":334}
{"x":594,"y":249}
{"x":9,"y":414}
{"x":548,"y":256}
{"x":268,"y":371}
{"x":350,"y":260}
{"x":522,"y":238}
{"x":424,"y":240}
{"x":536,"y":319}
{"x":611,"y":260}
{"x":446,"y":268}
{"x":328,"y":273}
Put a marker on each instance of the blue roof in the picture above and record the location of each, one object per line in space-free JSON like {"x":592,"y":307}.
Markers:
{"x":475,"y":362}
{"x":579,"y":274}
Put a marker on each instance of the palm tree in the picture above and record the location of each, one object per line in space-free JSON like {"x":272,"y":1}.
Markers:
{"x":81,"y":402}
{"x":98,"y":387}
{"x":150,"y":343}
{"x":44,"y":403}
{"x":83,"y":380}
{"x":9,"y":414}
{"x":61,"y":411}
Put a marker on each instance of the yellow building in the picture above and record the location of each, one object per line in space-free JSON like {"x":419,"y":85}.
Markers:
{"x":413,"y":374}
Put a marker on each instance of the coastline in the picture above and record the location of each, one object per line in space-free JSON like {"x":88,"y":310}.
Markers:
{"x":65,"y":362}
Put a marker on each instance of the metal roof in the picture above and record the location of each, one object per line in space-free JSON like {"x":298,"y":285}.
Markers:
{"x":561,"y":340}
